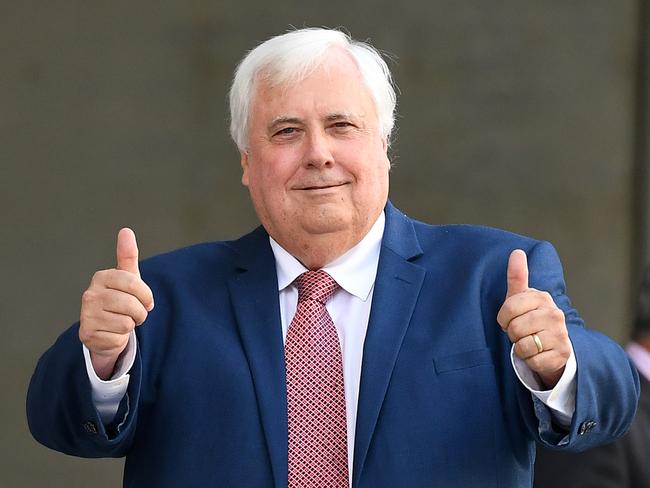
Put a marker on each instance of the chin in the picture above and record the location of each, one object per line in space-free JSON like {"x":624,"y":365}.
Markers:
{"x":324,"y":222}
{"x":316,"y":228}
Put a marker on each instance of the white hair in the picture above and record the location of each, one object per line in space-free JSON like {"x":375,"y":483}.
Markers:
{"x":289,"y":58}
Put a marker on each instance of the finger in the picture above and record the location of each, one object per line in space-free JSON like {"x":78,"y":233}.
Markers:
{"x":522,"y":303}
{"x":526,"y":347}
{"x":122,"y":281}
{"x":115,"y":323}
{"x":517,"y":273}
{"x":133,"y":285}
{"x":550,"y":320}
{"x":96,"y":319}
{"x":107,"y":343}
{"x":127,"y":251}
{"x":548,"y":364}
{"x":120,"y":303}
{"x":525,"y":325}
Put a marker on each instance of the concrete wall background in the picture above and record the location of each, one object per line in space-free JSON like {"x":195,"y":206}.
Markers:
{"x":512,"y":114}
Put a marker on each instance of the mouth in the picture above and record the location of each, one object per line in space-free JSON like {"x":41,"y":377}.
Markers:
{"x":321,"y":187}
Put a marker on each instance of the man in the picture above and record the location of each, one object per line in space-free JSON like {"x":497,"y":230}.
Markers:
{"x":341,"y":342}
{"x":623,"y":463}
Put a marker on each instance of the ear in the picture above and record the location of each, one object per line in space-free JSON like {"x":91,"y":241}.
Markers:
{"x":384,"y":146}
{"x":244,"y":167}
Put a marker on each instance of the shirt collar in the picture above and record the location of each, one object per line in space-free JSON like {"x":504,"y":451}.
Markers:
{"x":354,"y":271}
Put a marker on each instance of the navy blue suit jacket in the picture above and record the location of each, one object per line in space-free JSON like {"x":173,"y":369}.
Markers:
{"x":439,"y":403}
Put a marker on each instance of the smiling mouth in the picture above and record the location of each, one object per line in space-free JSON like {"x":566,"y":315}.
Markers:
{"x":320,"y":187}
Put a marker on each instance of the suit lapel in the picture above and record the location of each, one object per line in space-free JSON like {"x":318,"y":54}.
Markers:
{"x":397,"y":287}
{"x":254,"y":295}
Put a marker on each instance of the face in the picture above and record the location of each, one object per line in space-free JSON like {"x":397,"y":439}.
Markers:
{"x":316,"y":165}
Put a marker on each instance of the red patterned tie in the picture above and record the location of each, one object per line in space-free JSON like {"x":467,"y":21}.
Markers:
{"x":318,"y":454}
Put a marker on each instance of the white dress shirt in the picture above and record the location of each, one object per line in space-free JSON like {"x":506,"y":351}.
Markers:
{"x":349,"y":307}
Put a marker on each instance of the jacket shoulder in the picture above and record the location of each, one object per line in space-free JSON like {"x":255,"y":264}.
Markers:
{"x":190,"y":259}
{"x":471,"y":237}
{"x":474,"y":250}
{"x":200,"y":266}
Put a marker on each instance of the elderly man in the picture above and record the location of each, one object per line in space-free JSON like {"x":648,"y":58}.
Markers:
{"x":340,"y":343}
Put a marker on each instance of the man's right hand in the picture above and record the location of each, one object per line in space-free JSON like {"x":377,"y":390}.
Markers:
{"x":115,"y":302}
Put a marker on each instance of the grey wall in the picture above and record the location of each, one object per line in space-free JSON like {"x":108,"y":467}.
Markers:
{"x":642,"y":168}
{"x":513,"y":114}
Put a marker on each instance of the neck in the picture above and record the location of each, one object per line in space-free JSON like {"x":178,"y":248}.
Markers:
{"x":317,"y":251}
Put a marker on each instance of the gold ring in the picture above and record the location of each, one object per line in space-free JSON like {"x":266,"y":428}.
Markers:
{"x":538,"y":343}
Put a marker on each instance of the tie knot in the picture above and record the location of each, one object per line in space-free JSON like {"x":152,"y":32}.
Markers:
{"x":315,"y":285}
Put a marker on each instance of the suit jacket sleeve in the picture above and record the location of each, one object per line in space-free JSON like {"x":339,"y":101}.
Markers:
{"x":60,"y":410}
{"x":622,"y":463}
{"x":604,"y":372}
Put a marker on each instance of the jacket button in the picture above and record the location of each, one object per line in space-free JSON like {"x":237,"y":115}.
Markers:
{"x":586,"y":427}
{"x":90,"y":427}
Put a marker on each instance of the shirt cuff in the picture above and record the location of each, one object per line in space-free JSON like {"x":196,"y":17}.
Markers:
{"x":107,"y":394}
{"x":561,"y":400}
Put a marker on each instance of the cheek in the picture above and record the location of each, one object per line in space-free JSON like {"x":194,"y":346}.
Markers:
{"x":372,"y":167}
{"x":268,"y":179}
{"x":374,"y":180}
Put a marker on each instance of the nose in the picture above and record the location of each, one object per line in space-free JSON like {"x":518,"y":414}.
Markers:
{"x":317,"y":150}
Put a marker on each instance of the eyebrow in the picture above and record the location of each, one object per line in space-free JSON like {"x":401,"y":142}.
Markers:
{"x":340,"y":115}
{"x":285,"y":120}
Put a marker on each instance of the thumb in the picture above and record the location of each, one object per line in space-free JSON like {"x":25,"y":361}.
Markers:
{"x":517,"y":273}
{"x":127,"y":251}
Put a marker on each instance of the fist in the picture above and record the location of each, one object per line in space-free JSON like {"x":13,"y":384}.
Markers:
{"x":534,"y":324}
{"x":115,"y":302}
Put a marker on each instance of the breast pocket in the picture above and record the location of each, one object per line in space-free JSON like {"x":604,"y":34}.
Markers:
{"x":462,"y":360}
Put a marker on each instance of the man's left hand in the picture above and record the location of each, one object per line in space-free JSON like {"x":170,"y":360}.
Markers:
{"x":534,"y":324}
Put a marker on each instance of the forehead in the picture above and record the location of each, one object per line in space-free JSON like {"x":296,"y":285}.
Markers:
{"x":334,"y":85}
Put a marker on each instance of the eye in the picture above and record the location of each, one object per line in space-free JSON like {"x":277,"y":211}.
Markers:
{"x":342,"y":127}
{"x":286,"y":131}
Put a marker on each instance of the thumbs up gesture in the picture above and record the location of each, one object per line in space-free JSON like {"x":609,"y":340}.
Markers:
{"x":534,"y":324}
{"x":115,"y":302}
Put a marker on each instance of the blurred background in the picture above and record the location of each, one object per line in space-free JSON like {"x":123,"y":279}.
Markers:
{"x":530,"y":116}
